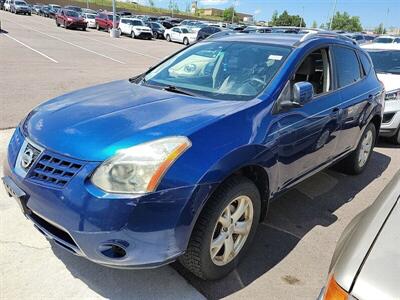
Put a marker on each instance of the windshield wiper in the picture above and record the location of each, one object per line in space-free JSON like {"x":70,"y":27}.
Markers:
{"x":174,"y":89}
{"x":137,"y":79}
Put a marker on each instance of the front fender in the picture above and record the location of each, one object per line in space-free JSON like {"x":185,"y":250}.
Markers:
{"x":249,"y":155}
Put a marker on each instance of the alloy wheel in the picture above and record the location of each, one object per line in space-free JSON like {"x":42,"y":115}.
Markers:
{"x":365,"y":149}
{"x":231,"y":230}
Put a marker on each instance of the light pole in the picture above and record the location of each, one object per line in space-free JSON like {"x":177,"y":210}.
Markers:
{"x":114,"y":33}
{"x":385,"y":21}
{"x":302,"y":17}
{"x":233,"y":10}
{"x":333,"y":14}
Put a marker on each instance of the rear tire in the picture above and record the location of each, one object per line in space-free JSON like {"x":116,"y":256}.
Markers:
{"x":235,"y":207}
{"x":357,"y":161}
{"x":58,"y":24}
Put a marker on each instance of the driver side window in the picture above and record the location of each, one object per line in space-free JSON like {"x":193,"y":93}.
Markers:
{"x":315,"y":69}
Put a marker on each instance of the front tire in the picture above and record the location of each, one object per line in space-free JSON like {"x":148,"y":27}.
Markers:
{"x":97,"y":26}
{"x":186,"y":41}
{"x":356,"y":162}
{"x":224,"y":230}
{"x":168,"y":38}
{"x":133,"y":35}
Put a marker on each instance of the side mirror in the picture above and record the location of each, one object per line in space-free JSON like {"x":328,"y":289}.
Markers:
{"x":303,"y":92}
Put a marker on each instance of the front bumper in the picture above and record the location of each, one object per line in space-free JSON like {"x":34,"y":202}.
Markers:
{"x":22,"y":10}
{"x":152,"y":229}
{"x":76,"y":24}
{"x":391,"y":119}
{"x":144,"y":34}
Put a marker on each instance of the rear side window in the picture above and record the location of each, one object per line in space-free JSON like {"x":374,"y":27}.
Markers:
{"x":365,"y":61}
{"x":347,"y":66}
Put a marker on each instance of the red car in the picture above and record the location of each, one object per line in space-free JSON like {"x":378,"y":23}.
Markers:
{"x":70,"y":19}
{"x":104,"y":20}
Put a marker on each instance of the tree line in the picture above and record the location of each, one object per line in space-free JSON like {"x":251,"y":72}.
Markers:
{"x":340,"y":21}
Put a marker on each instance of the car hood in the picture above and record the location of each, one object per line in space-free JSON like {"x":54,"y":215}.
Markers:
{"x":380,"y":275}
{"x":93,"y":123}
{"x":390,"y":81}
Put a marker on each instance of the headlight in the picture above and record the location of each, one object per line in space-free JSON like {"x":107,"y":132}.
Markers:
{"x":392,"y":95}
{"x":139,"y":169}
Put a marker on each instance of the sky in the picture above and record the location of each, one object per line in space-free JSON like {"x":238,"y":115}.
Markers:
{"x":371,"y":12}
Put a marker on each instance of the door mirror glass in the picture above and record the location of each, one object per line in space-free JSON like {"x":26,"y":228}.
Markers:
{"x":303,"y":92}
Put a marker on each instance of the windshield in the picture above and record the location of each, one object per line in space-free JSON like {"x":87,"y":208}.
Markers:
{"x":136,"y":22}
{"x":20,"y":3}
{"x":386,"y":61}
{"x":220,"y":70}
{"x":110,"y":17}
{"x":90,"y":16}
{"x":71,"y":13}
{"x":382,"y":40}
{"x":157,"y":25}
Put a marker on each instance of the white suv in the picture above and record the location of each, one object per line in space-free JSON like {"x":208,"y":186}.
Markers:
{"x":136,"y":28}
{"x":386,"y":60}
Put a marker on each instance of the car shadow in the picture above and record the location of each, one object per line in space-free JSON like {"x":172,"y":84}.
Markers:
{"x":386,"y":143}
{"x":290,"y":218}
{"x":117,"y":284}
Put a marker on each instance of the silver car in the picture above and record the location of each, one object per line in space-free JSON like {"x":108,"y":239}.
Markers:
{"x":366,"y":262}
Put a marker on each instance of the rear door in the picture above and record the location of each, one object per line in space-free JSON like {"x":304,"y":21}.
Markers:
{"x":357,"y":90}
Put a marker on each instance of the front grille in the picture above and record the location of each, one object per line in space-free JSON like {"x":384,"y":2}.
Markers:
{"x":388,"y":117}
{"x":54,"y":170}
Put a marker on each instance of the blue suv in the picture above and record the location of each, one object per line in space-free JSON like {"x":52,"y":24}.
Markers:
{"x":182,"y":161}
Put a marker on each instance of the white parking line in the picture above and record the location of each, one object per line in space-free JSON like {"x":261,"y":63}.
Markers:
{"x":30,"y":48}
{"x":122,"y":48}
{"x":109,"y":44}
{"x":67,"y":42}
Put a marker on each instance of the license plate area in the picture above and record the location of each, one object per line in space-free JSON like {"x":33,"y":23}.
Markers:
{"x":18,"y":194}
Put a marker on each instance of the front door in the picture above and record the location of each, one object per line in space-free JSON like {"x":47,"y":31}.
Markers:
{"x":308,"y":135}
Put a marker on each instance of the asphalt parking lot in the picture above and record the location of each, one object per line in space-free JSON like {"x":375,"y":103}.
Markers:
{"x":293,"y":246}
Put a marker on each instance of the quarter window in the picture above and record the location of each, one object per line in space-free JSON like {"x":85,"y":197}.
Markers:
{"x":347,"y":66}
{"x":366,"y":63}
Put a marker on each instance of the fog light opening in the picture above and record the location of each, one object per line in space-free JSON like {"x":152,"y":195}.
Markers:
{"x":112,"y":251}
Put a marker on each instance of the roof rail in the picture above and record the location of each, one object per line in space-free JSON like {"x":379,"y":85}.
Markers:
{"x":324,"y":33}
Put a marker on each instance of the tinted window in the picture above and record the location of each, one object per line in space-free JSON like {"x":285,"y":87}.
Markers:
{"x":384,"y":40}
{"x":386,"y":61}
{"x":347,"y":66}
{"x":71,"y":13}
{"x":366,"y":63}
